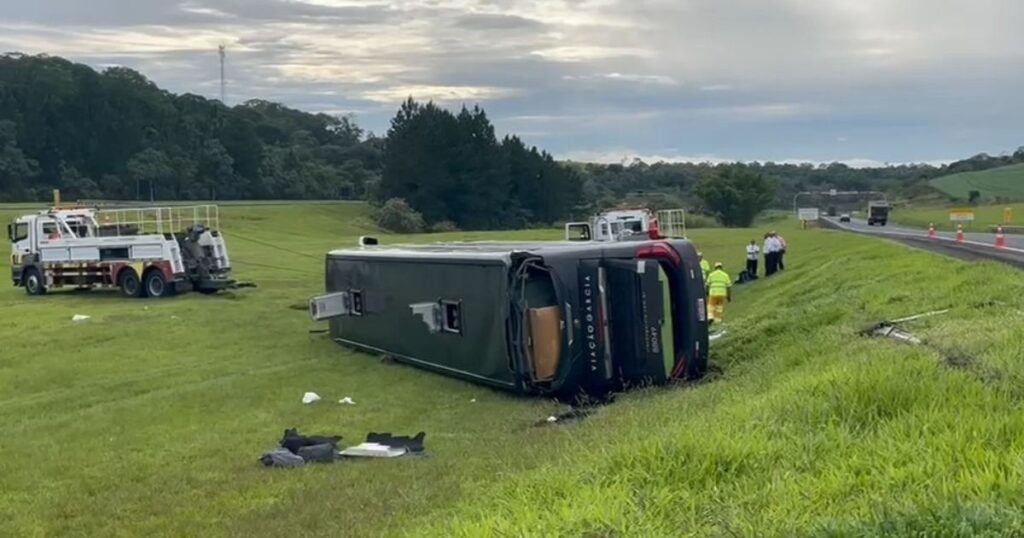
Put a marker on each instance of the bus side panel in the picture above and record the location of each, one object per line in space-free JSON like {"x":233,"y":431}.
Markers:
{"x":394,"y":291}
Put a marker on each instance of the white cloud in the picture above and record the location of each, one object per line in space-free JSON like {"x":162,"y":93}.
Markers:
{"x":626,"y":156}
{"x":442,"y":94}
{"x":584,"y":53}
{"x":908,"y":79}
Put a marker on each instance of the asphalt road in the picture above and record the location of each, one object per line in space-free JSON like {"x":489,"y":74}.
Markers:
{"x":976,"y":245}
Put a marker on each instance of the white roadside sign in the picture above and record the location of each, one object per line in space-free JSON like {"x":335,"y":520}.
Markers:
{"x":808,"y":213}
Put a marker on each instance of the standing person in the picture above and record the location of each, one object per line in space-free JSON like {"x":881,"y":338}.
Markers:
{"x":719,"y":289}
{"x":705,"y":267}
{"x":782,"y":250}
{"x":770,"y":254}
{"x":753,"y":252}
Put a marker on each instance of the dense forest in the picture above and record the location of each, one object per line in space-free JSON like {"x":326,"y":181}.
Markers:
{"x":452,"y":168}
{"x":115,"y":135}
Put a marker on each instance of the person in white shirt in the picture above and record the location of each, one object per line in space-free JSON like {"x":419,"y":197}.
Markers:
{"x":782,"y":250}
{"x":753,"y":252}
{"x":771,"y":254}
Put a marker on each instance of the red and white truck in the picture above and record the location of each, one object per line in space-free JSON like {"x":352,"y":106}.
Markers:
{"x":145,"y":252}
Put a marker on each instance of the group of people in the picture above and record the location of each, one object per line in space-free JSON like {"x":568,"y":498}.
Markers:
{"x":718,"y":283}
{"x":774,"y":255}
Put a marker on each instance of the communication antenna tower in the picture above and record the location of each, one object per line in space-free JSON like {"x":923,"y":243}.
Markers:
{"x":222,"y":49}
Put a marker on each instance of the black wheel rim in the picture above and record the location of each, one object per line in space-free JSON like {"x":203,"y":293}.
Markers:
{"x":33,"y":283}
{"x":156,"y":286}
{"x":131,"y":285}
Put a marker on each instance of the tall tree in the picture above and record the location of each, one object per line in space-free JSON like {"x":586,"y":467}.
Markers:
{"x":150,"y":169}
{"x":735,"y":194}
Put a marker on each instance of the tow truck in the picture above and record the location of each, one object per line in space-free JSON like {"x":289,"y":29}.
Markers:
{"x":629,"y":225}
{"x":145,"y":252}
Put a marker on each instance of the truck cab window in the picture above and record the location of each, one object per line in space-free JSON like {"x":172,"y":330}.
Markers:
{"x":19,"y":232}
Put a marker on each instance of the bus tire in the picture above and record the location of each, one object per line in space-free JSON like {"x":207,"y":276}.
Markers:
{"x":33,"y":281}
{"x":129,"y":283}
{"x":155,"y":284}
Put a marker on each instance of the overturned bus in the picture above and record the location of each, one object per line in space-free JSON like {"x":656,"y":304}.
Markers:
{"x":558,"y":318}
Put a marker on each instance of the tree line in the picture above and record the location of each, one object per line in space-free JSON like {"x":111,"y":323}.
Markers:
{"x":115,"y":134}
{"x":451,"y":168}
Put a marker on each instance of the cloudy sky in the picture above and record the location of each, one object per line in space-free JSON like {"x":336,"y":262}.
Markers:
{"x":861,"y":81}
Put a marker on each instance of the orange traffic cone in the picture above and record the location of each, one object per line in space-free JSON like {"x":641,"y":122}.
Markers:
{"x":1000,"y":238}
{"x":959,"y":233}
{"x":931,"y":231}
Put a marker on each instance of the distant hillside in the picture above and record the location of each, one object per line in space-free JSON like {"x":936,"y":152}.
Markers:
{"x":998,"y":184}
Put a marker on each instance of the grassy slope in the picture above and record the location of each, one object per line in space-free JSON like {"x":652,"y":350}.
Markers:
{"x":148,"y":419}
{"x":812,"y":429}
{"x":985,"y":216}
{"x":1005,"y":183}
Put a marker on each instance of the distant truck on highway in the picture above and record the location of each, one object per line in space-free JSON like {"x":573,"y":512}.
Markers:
{"x":878,"y":213}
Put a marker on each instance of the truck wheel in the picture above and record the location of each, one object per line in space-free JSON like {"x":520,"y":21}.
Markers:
{"x":34,"y":282}
{"x":156,"y":285}
{"x":129,"y":283}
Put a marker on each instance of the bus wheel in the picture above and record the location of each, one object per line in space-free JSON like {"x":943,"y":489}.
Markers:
{"x":34,"y":282}
{"x":156,"y":284}
{"x":129,"y":283}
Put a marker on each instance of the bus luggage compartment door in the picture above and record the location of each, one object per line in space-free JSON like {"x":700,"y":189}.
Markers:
{"x":636,"y":320}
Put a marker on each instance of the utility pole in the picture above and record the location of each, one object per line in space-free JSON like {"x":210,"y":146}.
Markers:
{"x":223,"y":82}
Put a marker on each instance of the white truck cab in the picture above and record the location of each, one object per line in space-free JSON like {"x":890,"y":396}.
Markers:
{"x":629,"y":225}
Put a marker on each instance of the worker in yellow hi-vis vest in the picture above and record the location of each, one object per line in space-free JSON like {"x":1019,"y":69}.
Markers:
{"x":719,"y":286}
{"x":705,"y":267}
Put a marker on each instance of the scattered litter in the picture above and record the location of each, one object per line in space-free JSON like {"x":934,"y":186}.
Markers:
{"x":347,"y":400}
{"x":574,"y":414}
{"x":412,"y":444}
{"x":282,"y":458}
{"x":322,"y":453}
{"x":385,"y":445}
{"x":297,"y":450}
{"x":293,"y":440}
{"x":174,"y":317}
{"x":372,"y":450}
{"x":310,"y":397}
{"x":919,"y":316}
{"x":716,"y":336}
{"x":889,"y":331}
{"x":80,"y":317}
{"x":473,"y":400}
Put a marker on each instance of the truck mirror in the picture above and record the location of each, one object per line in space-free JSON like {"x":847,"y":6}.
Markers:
{"x":578,"y":231}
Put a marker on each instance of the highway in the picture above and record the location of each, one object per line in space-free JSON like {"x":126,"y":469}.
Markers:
{"x":976,"y":245}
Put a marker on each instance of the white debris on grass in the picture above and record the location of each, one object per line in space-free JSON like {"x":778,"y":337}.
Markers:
{"x":80,"y":317}
{"x":552,"y":418}
{"x":347,"y":400}
{"x":310,"y":397}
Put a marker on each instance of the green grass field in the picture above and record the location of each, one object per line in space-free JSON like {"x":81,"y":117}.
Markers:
{"x":149,"y":418}
{"x":1004,"y":184}
{"x":985,"y":216}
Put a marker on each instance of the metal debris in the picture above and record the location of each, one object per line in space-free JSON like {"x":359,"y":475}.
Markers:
{"x":890,"y":331}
